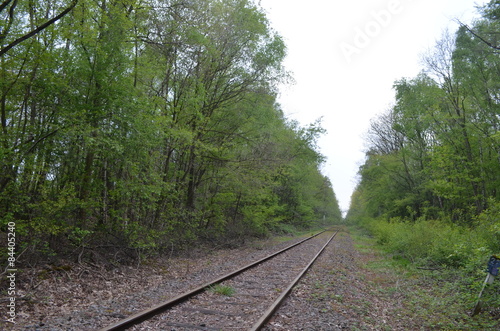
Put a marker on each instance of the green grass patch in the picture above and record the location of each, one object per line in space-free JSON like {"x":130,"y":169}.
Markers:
{"x":434,"y":294}
{"x":220,"y":289}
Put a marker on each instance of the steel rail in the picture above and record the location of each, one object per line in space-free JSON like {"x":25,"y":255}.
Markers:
{"x":276,"y":304}
{"x":155,"y":310}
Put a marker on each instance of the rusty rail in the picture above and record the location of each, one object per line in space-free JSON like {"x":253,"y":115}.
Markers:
{"x":147,"y":314}
{"x":277,"y":303}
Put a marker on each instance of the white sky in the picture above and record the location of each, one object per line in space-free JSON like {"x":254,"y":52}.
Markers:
{"x":346,"y":77}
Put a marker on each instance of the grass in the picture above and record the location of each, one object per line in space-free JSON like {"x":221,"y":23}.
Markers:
{"x":222,"y":290}
{"x":433,"y":298}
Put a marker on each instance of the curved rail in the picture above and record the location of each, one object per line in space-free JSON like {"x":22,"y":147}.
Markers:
{"x":146,"y":314}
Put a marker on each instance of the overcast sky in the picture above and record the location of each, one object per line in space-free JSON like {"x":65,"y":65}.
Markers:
{"x":345,"y":57}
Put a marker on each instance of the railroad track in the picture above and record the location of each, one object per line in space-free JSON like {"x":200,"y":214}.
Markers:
{"x":259,"y":288}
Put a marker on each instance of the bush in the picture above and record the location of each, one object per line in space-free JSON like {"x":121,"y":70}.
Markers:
{"x":437,"y":243}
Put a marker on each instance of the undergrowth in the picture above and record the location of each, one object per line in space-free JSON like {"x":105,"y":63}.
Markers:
{"x":442,"y":269}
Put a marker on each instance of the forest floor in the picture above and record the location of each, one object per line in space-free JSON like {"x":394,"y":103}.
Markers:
{"x":352,"y":286}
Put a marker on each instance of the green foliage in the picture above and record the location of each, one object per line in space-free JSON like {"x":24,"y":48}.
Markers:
{"x":428,"y":190}
{"x":488,"y":224}
{"x":222,"y":290}
{"x":440,"y":243}
{"x":435,"y":154}
{"x":434,"y":243}
{"x":147,"y":125}
{"x":79,"y":236}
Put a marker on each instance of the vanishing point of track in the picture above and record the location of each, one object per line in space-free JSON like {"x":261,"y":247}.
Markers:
{"x":260,"y":287}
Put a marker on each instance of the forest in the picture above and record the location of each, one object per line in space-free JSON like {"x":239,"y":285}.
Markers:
{"x":138,"y":126}
{"x":429,"y":188}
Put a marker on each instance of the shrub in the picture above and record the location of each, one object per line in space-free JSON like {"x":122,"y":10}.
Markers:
{"x":435,"y":242}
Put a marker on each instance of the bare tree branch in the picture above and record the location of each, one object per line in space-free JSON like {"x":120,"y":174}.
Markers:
{"x":38,"y":29}
{"x":478,"y":36}
{"x":5,"y":31}
{"x":4,"y":4}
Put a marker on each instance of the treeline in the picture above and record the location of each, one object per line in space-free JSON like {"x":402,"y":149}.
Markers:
{"x":429,"y":187}
{"x":436,"y":152}
{"x":147,"y":124}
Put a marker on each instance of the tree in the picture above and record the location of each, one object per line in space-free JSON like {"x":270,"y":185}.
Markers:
{"x":149,"y":124}
{"x":435,"y":153}
{"x":8,"y":10}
